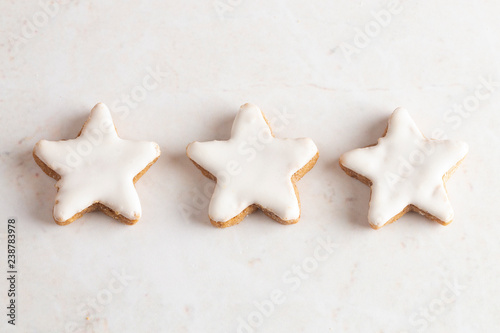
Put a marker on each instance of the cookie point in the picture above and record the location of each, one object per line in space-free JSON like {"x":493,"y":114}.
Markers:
{"x":449,"y":218}
{"x":377,"y":223}
{"x":190,"y":147}
{"x":399,"y":110}
{"x":38,"y":145}
{"x":157,"y":148}
{"x":464,"y":147}
{"x":375,"y":227}
{"x":100,"y":107}
{"x":342,"y":159}
{"x":58,"y":218}
{"x":447,"y":222}
{"x":248,"y":106}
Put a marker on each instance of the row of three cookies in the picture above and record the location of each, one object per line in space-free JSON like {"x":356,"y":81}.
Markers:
{"x":98,"y":170}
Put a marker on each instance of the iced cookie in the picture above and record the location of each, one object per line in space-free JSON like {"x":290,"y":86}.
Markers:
{"x":253,"y":170}
{"x":406,"y":172}
{"x":97,"y":170}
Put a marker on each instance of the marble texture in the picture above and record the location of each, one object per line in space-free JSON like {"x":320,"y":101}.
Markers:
{"x":177,"y":71}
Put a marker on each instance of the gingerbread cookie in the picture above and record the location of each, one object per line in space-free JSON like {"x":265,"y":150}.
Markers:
{"x":254,"y":170}
{"x":406,"y":172}
{"x":97,"y":170}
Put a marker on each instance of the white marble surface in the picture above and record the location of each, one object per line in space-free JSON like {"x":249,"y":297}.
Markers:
{"x":187,"y":276}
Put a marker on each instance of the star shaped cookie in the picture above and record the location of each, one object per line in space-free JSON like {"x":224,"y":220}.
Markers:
{"x":253,"y":170}
{"x":406,"y":172}
{"x":97,"y":170}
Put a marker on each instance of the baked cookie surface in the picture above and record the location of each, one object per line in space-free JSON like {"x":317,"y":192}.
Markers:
{"x":97,"y":170}
{"x":406,"y":172}
{"x":254,"y":170}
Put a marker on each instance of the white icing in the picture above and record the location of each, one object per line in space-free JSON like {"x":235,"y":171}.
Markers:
{"x":406,"y":168}
{"x":97,"y":166}
{"x":253,"y":167}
